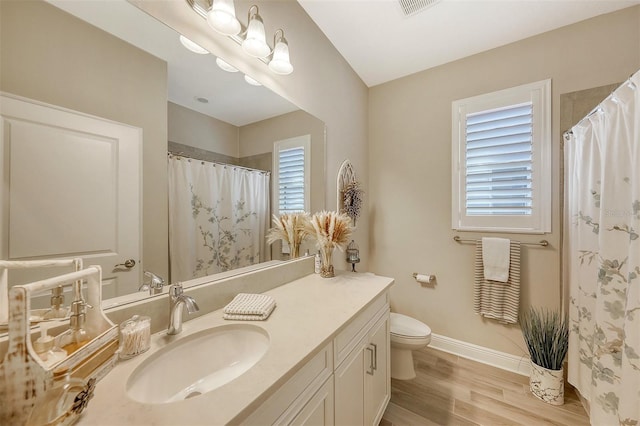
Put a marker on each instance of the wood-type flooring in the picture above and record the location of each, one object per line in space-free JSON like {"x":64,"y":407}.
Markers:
{"x":450,"y":390}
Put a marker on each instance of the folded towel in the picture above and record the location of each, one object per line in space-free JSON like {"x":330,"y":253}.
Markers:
{"x":249,"y":307}
{"x":495,"y":257}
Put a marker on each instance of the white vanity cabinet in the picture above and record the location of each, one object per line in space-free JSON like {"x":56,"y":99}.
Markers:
{"x":377,"y":384}
{"x":319,"y":409}
{"x":324,"y":336}
{"x":346,"y":383}
{"x":362,"y":379}
{"x":306,"y":398}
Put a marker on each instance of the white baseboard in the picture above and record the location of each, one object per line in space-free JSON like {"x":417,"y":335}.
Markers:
{"x":481,"y":354}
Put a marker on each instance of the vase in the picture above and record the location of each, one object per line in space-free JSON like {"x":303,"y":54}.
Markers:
{"x":547,"y":385}
{"x":295,"y":251}
{"x":326,"y":269}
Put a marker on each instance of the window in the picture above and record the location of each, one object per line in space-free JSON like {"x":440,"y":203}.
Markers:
{"x":501,"y":160}
{"x":291,"y":159}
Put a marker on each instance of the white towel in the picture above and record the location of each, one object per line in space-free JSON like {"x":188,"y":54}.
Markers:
{"x":495,"y":257}
{"x":249,"y":307}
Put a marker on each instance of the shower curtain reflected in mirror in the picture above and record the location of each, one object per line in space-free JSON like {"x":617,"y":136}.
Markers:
{"x":218,"y":217}
{"x":602,"y":256}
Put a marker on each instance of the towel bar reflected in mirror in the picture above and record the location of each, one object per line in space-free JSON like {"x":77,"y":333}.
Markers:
{"x":543,"y":243}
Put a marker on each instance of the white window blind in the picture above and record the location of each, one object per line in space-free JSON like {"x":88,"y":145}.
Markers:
{"x":291,"y":174}
{"x":291,"y":187}
{"x":501,"y":160}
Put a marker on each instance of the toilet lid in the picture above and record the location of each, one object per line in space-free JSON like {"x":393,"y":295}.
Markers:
{"x":403,"y":325}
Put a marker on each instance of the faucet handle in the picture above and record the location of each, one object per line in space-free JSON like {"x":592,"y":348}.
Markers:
{"x":154,"y":284}
{"x":176,"y":289}
{"x":155,"y":281}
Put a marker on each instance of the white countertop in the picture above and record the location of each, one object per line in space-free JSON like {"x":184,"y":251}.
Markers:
{"x":310,"y":312}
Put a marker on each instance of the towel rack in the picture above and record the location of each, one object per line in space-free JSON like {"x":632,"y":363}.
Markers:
{"x":543,"y":243}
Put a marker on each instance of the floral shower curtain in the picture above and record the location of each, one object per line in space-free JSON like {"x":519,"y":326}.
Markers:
{"x":218,"y":217}
{"x":602,"y":256}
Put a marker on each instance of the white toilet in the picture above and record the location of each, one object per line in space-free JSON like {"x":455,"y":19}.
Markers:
{"x":407,"y":335}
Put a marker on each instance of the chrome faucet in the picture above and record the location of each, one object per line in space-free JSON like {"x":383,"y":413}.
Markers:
{"x":177,"y":301}
{"x":154,"y":285}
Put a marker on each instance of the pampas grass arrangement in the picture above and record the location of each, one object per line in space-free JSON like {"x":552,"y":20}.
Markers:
{"x":547,"y":336}
{"x":330,"y":230}
{"x":292,"y":228}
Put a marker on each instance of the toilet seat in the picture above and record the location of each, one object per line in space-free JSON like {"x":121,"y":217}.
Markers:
{"x":408,"y":328}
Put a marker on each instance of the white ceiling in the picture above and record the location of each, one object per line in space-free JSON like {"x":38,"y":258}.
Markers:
{"x":190,"y":75}
{"x":377,"y":40}
{"x":381,"y":44}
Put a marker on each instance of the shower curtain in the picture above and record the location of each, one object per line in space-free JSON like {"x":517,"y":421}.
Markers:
{"x":602,"y":256}
{"x":218,"y":217}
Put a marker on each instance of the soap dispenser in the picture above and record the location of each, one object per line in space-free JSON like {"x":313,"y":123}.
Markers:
{"x":46,"y":349}
{"x":57,"y":300}
{"x":76,"y":336}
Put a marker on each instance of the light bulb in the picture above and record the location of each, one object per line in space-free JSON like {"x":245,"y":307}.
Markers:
{"x":222,"y":17}
{"x":192,"y":46}
{"x":255,"y":43}
{"x":225,"y":66}
{"x":251,"y":81}
{"x":280,"y":63}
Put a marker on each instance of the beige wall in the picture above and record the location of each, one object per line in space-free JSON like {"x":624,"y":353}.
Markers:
{"x":248,"y":144}
{"x":55,"y":58}
{"x":322,"y":83}
{"x":410,"y":151}
{"x":258,"y":161}
{"x":189,"y":127}
{"x":258,"y":138}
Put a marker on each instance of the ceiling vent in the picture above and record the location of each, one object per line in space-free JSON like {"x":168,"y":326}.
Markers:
{"x":411,"y":7}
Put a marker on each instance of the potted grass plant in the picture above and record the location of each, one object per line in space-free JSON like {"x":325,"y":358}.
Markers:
{"x":546,"y":334}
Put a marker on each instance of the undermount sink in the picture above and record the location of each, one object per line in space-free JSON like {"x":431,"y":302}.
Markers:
{"x":198,"y":363}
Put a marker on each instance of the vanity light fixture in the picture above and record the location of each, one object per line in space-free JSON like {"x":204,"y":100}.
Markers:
{"x":280,"y":63}
{"x":221,"y":16}
{"x":251,"y":81}
{"x":255,"y":42}
{"x":193,"y":46}
{"x":229,"y":68}
{"x":225,"y":66}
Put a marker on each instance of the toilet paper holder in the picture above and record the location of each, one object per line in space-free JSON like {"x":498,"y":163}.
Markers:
{"x":424,"y":278}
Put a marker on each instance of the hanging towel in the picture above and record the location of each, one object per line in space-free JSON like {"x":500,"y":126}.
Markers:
{"x":494,"y":299}
{"x":495,"y":258}
{"x":249,"y":307}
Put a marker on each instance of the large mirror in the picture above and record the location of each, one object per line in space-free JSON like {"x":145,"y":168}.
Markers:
{"x":213,"y":116}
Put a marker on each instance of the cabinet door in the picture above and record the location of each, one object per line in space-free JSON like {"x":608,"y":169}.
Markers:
{"x":319,"y":410}
{"x":378,"y":384}
{"x":349,"y":388}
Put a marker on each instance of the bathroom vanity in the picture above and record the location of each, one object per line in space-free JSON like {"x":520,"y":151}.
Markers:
{"x":326,"y":361}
